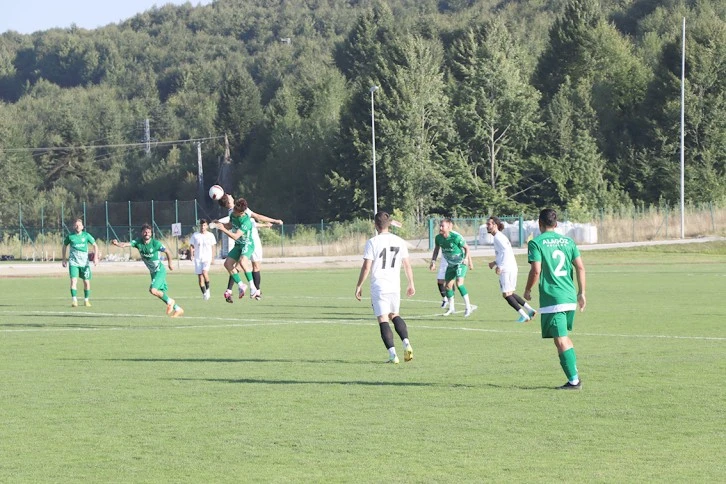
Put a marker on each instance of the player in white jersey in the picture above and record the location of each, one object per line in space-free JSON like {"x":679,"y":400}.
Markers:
{"x":383,"y":258}
{"x":202,"y":245}
{"x":227,"y":201}
{"x":506,"y":268}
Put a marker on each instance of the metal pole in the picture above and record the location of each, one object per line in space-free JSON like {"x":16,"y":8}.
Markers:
{"x":176,"y":220}
{"x":20,"y":229}
{"x":42,"y":231}
{"x":373,"y":139}
{"x":131,"y":235}
{"x":200,"y":171}
{"x":153,"y":222}
{"x":683,"y":100}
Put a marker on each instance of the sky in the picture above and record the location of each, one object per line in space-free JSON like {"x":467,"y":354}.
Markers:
{"x":28,"y":16}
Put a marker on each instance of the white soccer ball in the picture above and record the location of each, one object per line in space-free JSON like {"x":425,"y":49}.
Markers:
{"x":216,"y":192}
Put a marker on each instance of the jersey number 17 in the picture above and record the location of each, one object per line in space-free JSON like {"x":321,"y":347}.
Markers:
{"x":384,"y":256}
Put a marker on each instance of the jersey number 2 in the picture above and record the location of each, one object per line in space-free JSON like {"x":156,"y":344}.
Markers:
{"x":384,"y":255}
{"x":560,"y":256}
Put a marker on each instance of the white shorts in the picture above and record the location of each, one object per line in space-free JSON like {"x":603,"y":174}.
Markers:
{"x":441,"y":275}
{"x":508,"y":281}
{"x":386,"y":303}
{"x":257,"y":254}
{"x":201,"y":266}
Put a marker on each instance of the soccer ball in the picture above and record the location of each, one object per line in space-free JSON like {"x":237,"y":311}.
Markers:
{"x":216,"y":192}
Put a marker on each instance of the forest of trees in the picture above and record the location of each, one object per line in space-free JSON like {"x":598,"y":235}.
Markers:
{"x":483,"y":106}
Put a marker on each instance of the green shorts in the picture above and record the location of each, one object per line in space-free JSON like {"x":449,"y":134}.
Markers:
{"x":158,"y":280}
{"x":241,"y":250}
{"x":456,"y":272}
{"x":555,"y":325}
{"x":80,"y":272}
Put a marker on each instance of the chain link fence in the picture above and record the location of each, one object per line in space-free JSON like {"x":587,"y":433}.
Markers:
{"x":39,"y":232}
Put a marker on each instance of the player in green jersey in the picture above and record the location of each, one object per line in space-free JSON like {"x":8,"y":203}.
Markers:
{"x":149,"y":249}
{"x":78,"y":261}
{"x":258,"y":221}
{"x":552,"y":258}
{"x":239,"y":229}
{"x":454,"y":249}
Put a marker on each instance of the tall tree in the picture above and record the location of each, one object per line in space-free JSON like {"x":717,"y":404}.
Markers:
{"x":414,"y":131}
{"x":569,"y":53}
{"x":362,"y":59}
{"x":497,"y":112}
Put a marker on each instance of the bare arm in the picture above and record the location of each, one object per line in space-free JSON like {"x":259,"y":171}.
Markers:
{"x":64,"y":261}
{"x":467,"y":255}
{"x":580,"y":271}
{"x":231,"y":235}
{"x":98,"y":254}
{"x":411,"y":289}
{"x":364,"y":270}
{"x":168,"y":259}
{"x":120,"y":244}
{"x":535,"y":268}
{"x":264,"y":218}
{"x":433,"y":258}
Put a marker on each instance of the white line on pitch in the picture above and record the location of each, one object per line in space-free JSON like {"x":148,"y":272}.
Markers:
{"x":242,"y":323}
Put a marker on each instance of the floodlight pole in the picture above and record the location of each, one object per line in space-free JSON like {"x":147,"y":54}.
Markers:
{"x":683,"y":101}
{"x":373,"y":139}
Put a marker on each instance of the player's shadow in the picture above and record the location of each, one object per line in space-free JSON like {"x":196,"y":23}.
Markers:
{"x":262,"y":381}
{"x":56,"y":326}
{"x":233,"y":360}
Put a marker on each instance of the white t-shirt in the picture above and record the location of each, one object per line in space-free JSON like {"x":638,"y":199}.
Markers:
{"x":204,"y":244}
{"x":387,"y":252}
{"x":504,"y":254}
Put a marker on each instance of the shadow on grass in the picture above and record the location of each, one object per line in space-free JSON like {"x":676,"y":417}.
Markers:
{"x":365,"y":383}
{"x":229,"y":360}
{"x":62,"y":326}
{"x":322,"y":382}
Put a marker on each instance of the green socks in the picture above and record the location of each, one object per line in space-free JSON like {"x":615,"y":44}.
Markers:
{"x":568,"y":362}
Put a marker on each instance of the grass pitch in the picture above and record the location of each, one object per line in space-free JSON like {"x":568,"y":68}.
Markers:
{"x":294,"y":388}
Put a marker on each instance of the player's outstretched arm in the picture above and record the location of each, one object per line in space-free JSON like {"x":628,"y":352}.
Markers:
{"x":264,"y":218}
{"x":120,"y":244}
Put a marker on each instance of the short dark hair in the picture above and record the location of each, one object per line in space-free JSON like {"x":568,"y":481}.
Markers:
{"x":240,"y":204}
{"x":382,"y":220}
{"x":497,"y":222}
{"x":145,"y":226}
{"x":548,"y":217}
{"x":203,"y":221}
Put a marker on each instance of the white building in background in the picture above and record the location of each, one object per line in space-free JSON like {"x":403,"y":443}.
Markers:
{"x":580,"y":233}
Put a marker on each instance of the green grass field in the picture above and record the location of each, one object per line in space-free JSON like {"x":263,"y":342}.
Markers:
{"x":294,"y":388}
